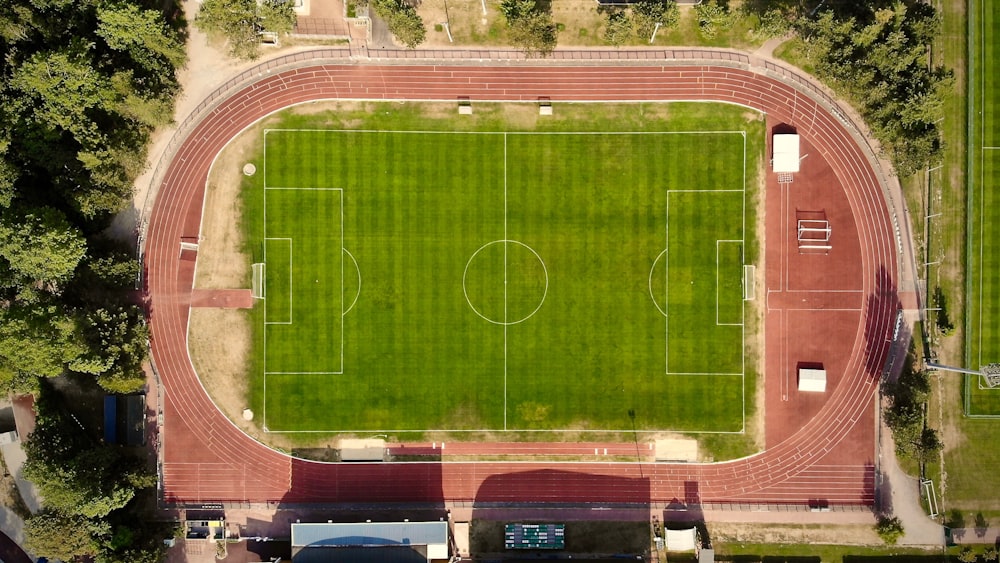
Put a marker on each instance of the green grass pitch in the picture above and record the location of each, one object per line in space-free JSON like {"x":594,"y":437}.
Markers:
{"x":984,"y":207}
{"x":502,"y":280}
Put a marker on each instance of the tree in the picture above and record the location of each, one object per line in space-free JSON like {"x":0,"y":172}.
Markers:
{"x":890,"y":529}
{"x":878,"y":56}
{"x":402,"y":20}
{"x":142,"y":34}
{"x":64,"y":537}
{"x":647,"y":13}
{"x":240,"y":22}
{"x":38,"y":339}
{"x":235,"y":21}
{"x":118,"y":339}
{"x":712,"y":17}
{"x":87,"y":484}
{"x":529,"y":28}
{"x":617,"y":26}
{"x":276,"y":15}
{"x":41,"y":245}
{"x":773,"y":22}
{"x":930,"y":444}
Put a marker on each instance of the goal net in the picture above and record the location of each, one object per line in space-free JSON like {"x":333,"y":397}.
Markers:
{"x":257,"y":281}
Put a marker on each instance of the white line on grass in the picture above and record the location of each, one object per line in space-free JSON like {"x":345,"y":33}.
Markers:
{"x":342,"y":327}
{"x":290,"y":298}
{"x":525,"y":133}
{"x":717,"y":323}
{"x":743,"y":330}
{"x":666,"y":290}
{"x":505,"y":243}
{"x":467,"y":430}
{"x":357,"y":268}
{"x":704,"y":191}
{"x":309,"y":189}
{"x":982,"y":178}
{"x":303,"y":373}
{"x":263,"y":414}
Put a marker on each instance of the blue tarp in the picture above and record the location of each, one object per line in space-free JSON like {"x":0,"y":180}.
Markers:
{"x":110,"y":419}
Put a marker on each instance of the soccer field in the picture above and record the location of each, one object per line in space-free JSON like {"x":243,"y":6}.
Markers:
{"x":502,"y":281}
{"x":984,"y":207}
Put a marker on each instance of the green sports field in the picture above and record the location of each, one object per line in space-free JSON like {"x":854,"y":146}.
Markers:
{"x":421,"y":280}
{"x":984,"y":206}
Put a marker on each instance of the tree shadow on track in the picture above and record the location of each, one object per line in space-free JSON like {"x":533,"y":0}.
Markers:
{"x":881,"y":308}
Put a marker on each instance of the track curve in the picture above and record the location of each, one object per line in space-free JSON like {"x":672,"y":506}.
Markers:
{"x":207,"y":459}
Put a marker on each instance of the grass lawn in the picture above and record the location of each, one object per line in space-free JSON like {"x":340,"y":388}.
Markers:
{"x":576,"y":274}
{"x":983,"y":327}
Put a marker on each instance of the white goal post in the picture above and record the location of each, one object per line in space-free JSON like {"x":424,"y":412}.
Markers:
{"x":257,"y":281}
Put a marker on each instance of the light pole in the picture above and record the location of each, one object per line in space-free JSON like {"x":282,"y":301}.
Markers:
{"x":655,"y":29}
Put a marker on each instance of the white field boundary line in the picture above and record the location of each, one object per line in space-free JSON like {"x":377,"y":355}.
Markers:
{"x":718,"y":244}
{"x":524,"y":133}
{"x":306,"y":189}
{"x":290,"y":298}
{"x":528,"y":430}
{"x":982,"y":175}
{"x":505,"y":134}
{"x":743,"y":329}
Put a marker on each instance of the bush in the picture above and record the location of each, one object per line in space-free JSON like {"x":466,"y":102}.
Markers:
{"x":890,"y":529}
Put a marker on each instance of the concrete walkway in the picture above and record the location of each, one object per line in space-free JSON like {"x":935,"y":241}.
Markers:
{"x":900,"y":496}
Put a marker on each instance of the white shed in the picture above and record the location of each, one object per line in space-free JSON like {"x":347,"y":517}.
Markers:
{"x":786,"y":153}
{"x":682,"y":540}
{"x":812,"y":380}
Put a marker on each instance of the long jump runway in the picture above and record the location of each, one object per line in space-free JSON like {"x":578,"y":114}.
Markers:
{"x":206,"y":459}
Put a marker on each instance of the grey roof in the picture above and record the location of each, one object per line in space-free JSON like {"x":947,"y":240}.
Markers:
{"x":360,"y":555}
{"x":369,"y":534}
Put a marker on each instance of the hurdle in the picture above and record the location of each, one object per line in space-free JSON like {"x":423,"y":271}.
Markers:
{"x":814,"y":235}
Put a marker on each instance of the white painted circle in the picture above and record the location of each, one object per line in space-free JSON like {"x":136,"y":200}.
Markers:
{"x":249,"y":169}
{"x":650,"y":284}
{"x":358,"y":270}
{"x":247,"y":414}
{"x":505,"y":322}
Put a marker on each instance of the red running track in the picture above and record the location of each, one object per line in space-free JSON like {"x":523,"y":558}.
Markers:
{"x":207,"y":459}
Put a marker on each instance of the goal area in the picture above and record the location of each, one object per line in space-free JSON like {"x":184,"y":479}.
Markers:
{"x":257,"y":280}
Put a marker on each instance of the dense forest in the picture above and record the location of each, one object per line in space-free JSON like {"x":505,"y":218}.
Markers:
{"x":83,"y":83}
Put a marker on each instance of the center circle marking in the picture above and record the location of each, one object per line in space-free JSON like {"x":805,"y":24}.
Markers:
{"x":504,"y":320}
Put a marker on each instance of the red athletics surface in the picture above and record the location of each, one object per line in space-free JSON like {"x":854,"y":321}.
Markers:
{"x":818,"y":447}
